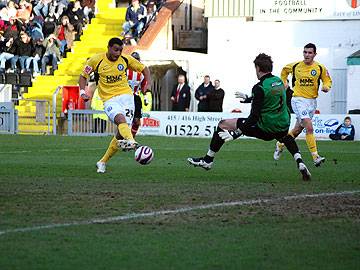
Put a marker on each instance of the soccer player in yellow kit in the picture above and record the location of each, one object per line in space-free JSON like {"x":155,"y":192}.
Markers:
{"x":306,"y":77}
{"x":114,"y":90}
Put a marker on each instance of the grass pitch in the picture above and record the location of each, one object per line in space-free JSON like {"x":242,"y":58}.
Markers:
{"x":47,"y":180}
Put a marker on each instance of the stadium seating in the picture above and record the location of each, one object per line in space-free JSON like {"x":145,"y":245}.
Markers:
{"x":95,"y":36}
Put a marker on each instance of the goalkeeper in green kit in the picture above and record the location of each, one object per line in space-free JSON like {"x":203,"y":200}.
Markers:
{"x":269,"y":118}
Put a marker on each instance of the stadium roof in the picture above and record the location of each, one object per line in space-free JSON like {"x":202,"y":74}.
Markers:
{"x":354,"y":59}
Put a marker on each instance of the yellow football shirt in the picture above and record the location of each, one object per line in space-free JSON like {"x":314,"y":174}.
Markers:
{"x":306,"y":78}
{"x":112,"y":75}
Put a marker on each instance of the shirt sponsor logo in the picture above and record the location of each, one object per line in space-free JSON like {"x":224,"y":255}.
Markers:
{"x":120,"y":67}
{"x":306,"y":82}
{"x":113,"y":79}
{"x":109,"y":108}
{"x":276,"y":84}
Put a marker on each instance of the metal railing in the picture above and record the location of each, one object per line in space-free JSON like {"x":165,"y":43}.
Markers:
{"x":229,"y":8}
{"x":54,"y":106}
{"x":8,"y":118}
{"x":83,"y":123}
{"x":5,"y":92}
{"x":42,"y":116}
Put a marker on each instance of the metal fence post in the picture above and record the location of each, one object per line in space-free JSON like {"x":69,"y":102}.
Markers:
{"x":70,"y":121}
{"x":54,"y":101}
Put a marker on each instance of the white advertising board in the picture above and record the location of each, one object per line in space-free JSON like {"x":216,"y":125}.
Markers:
{"x":202,"y":125}
{"x":284,"y":10}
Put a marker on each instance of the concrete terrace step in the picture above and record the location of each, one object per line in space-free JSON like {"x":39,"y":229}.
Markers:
{"x":32,"y":121}
{"x":109,"y":21}
{"x":34,"y":129}
{"x":107,"y":24}
{"x":28,"y":111}
{"x":108,"y":27}
{"x":116,"y":13}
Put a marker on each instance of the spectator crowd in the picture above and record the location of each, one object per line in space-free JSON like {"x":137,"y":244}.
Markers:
{"x":37,"y":33}
{"x":210,"y":97}
{"x":138,"y":15}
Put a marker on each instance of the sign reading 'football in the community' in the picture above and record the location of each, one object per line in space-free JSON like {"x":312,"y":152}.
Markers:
{"x":283,"y":10}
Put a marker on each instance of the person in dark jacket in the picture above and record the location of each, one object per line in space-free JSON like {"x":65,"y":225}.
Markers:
{"x":216,"y":98}
{"x":135,"y":18}
{"x":344,"y":132}
{"x":24,"y":49}
{"x":38,"y":52}
{"x":201,"y":94}
{"x":12,"y":28}
{"x":180,"y":95}
{"x":76,"y":17}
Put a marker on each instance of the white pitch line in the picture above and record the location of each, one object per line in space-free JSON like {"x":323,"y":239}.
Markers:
{"x":176,"y":211}
{"x":49,"y":151}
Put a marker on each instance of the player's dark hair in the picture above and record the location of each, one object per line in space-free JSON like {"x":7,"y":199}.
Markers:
{"x":347,"y":118}
{"x":310,"y":46}
{"x":264,"y":62}
{"x":114,"y":41}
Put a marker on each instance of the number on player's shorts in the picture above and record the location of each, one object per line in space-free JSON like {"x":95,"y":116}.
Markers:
{"x":129,"y":113}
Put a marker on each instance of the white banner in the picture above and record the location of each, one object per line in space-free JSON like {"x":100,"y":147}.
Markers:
{"x":293,"y":10}
{"x":195,"y":124}
{"x":182,"y":123}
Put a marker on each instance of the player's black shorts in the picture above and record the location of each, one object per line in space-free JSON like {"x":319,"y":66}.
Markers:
{"x":255,"y":131}
{"x":138,"y":106}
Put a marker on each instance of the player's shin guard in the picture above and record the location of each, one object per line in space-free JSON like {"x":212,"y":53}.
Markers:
{"x":216,"y":142}
{"x":311,"y":144}
{"x":281,"y":145}
{"x":292,"y":147}
{"x":112,"y":149}
{"x":125,"y":131}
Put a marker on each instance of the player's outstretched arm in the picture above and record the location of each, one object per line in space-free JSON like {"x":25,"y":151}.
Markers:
{"x":147,"y":78}
{"x":244,"y":98}
{"x":326,"y":80}
{"x":82,"y":85}
{"x":285,"y":73}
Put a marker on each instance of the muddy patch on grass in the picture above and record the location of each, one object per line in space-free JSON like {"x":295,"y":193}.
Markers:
{"x":278,"y":210}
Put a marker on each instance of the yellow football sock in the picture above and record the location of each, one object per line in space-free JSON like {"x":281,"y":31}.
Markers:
{"x":125,"y":131}
{"x":112,"y":149}
{"x":311,"y":144}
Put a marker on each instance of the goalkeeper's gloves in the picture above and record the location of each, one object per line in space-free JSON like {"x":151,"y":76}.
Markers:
{"x":244,"y":98}
{"x":229,"y":135}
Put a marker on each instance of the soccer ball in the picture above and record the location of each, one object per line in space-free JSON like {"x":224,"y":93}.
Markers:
{"x":144,"y":155}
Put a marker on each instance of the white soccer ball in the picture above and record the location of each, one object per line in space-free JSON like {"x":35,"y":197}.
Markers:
{"x":144,"y":155}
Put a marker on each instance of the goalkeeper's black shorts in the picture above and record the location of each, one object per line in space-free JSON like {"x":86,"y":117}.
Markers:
{"x":256,"y":132}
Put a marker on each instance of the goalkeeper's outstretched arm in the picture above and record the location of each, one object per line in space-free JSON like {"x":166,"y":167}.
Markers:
{"x":244,"y":98}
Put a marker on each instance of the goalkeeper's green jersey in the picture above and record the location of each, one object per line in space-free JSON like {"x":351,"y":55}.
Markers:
{"x":274,"y":114}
